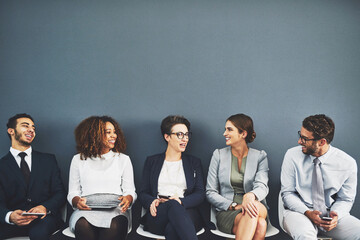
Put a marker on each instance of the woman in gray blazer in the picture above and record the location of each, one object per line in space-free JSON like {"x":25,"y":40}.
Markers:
{"x":237,"y":182}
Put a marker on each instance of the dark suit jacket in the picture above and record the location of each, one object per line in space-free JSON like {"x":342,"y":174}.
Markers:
{"x":195,"y":192}
{"x":45,"y":186}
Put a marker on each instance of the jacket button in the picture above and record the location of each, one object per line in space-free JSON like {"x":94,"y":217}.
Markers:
{"x":28,"y":200}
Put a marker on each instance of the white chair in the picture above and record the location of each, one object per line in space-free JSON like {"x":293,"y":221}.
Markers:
{"x":63,"y":217}
{"x":18,"y":238}
{"x":67,"y":232}
{"x":270,"y":231}
{"x":281,"y":216}
{"x":140,"y":230}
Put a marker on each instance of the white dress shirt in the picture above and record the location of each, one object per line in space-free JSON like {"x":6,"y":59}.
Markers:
{"x":16,"y":152}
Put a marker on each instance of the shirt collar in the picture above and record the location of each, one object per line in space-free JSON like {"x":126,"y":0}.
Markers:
{"x":16,"y":152}
{"x":323,"y":157}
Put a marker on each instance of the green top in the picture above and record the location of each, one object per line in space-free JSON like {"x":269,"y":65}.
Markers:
{"x":237,"y":178}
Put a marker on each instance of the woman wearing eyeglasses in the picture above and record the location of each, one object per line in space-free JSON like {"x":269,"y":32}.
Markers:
{"x":172,"y":185}
{"x":237,"y":182}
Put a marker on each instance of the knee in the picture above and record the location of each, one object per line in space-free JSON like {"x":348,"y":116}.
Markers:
{"x":43,"y":229}
{"x":300,"y":232}
{"x":40,"y":234}
{"x":262,"y":209}
{"x":119,"y":222}
{"x":175,"y":205}
{"x":82,"y":225}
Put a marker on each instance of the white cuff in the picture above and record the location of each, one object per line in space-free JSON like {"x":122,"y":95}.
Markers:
{"x":7,"y":218}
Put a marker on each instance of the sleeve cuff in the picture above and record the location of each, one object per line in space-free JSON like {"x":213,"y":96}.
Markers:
{"x":7,"y":218}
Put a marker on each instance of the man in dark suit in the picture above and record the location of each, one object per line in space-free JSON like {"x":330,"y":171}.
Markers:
{"x":30,"y":182}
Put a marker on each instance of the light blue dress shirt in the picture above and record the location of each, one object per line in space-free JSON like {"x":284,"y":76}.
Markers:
{"x":339,"y":172}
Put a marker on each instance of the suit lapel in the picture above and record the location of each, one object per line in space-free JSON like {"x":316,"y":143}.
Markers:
{"x":14,"y":167}
{"x":156,"y":172}
{"x":225,"y":165}
{"x":188,"y":171}
{"x":250,"y":168}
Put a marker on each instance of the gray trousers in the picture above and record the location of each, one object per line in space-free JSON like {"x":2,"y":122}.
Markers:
{"x":299,"y":227}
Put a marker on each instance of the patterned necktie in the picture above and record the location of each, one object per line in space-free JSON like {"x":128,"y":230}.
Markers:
{"x":317,"y":189}
{"x":24,"y":167}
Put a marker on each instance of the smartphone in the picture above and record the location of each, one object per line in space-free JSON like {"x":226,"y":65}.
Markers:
{"x":32,"y":214}
{"x":163,"y":196}
{"x":326,"y":218}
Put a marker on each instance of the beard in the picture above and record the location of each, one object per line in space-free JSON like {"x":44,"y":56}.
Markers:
{"x":310,"y":150}
{"x":18,"y":138}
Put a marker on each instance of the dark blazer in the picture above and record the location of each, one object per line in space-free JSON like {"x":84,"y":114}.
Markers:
{"x":194,"y":194}
{"x":45,"y":186}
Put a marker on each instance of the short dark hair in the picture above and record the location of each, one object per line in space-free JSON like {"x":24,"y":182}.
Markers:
{"x":13,"y":120}
{"x":321,"y":126}
{"x":244,"y":123}
{"x":170,"y":121}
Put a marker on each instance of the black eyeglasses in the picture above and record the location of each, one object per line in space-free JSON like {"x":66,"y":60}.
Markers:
{"x":181,"y":135}
{"x":304,"y":139}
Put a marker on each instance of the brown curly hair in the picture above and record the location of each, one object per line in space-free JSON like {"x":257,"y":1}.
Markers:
{"x":90,"y":135}
{"x":321,"y":126}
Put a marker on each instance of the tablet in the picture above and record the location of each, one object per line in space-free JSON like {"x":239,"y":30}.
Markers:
{"x":102,"y":206}
{"x":32,"y":214}
{"x":102,"y":200}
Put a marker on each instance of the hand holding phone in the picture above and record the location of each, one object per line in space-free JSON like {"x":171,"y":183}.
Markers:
{"x":32,"y":214}
{"x":326,"y":218}
{"x":164,"y":196}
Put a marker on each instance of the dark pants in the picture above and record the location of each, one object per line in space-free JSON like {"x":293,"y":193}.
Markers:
{"x":39,"y":229}
{"x":174,"y":221}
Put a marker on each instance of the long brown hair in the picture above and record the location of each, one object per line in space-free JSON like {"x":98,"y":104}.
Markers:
{"x":90,"y":135}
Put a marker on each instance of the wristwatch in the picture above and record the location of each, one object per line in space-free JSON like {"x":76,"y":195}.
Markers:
{"x":233,"y":205}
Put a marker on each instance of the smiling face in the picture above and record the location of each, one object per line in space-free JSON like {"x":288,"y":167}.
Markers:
{"x":23,"y":134}
{"x":232,"y":135}
{"x":174,"y":143}
{"x":309,"y":146}
{"x":110,"y":137}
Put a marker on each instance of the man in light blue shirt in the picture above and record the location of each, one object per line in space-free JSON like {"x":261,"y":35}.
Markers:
{"x":339,"y":177}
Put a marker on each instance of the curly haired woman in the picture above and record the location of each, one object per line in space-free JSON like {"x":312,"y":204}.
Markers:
{"x":100,"y":167}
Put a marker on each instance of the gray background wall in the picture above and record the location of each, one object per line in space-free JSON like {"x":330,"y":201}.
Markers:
{"x":139,"y":61}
